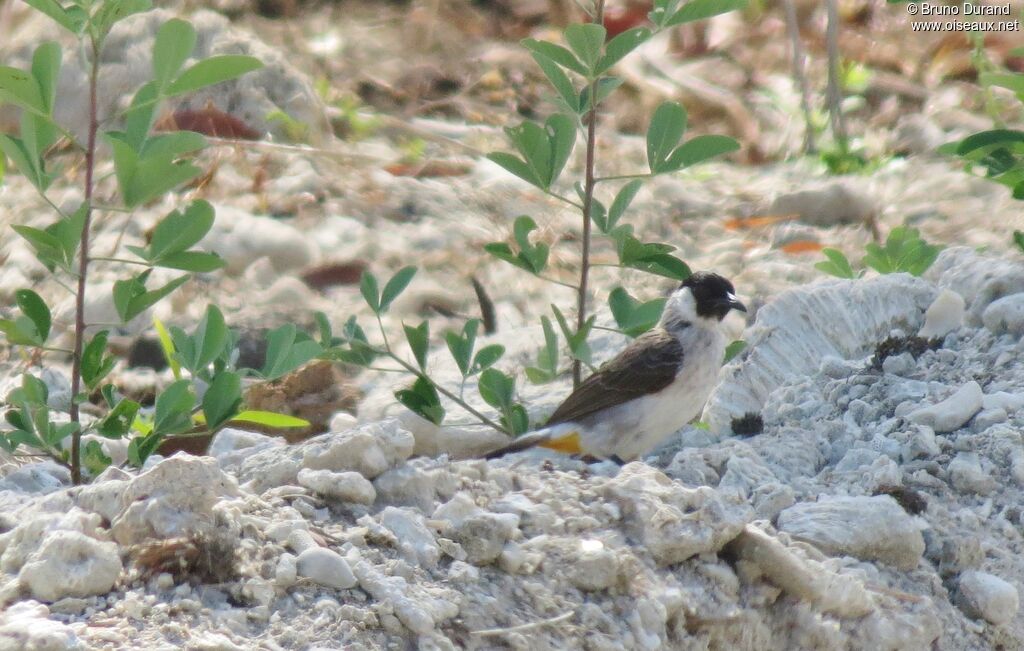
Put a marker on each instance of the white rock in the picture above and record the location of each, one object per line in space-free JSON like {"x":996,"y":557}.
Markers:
{"x":230,"y":441}
{"x":799,"y":576}
{"x":834,"y":203}
{"x":241,"y":238}
{"x":944,"y":315}
{"x":414,"y":539}
{"x":174,"y":498}
{"x":967,"y":475}
{"x":27,"y":625}
{"x":672,"y":522}
{"x":1005,"y":315}
{"x":18,"y":545}
{"x":1008,"y":402}
{"x":342,"y":421}
{"x":42,"y":477}
{"x":868,"y":528}
{"x":594,"y":569}
{"x":344,"y":486}
{"x":980,"y":279}
{"x":71,"y":564}
{"x":952,"y":413}
{"x":417,"y":610}
{"x":326,"y":567}
{"x":985,"y":596}
{"x":103,"y":497}
{"x":457,"y":442}
{"x":800,"y":327}
{"x":369,"y":450}
{"x":286,"y":571}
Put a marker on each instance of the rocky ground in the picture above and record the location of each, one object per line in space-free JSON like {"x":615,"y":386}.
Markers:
{"x":877,"y":506}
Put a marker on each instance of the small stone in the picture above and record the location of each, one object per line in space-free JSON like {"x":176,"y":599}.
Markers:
{"x":27,"y":625}
{"x":985,"y":596}
{"x":342,"y":422}
{"x":834,"y":203}
{"x":344,"y":486}
{"x":952,"y":413}
{"x":1005,"y":315}
{"x":594,"y":569}
{"x":901,"y":365}
{"x":1008,"y":402}
{"x":414,"y":538}
{"x":921,"y":444}
{"x":326,"y":567}
{"x":368,"y":450}
{"x":944,"y":315}
{"x":71,"y":564}
{"x":986,"y":418}
{"x":967,"y":475}
{"x":286,"y":572}
{"x":869,"y":528}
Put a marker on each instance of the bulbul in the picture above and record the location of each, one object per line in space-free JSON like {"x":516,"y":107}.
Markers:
{"x":651,"y":389}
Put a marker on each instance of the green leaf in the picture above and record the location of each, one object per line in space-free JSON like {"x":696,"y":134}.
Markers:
{"x":422,"y":399}
{"x":114,"y":11}
{"x":486,"y":357}
{"x":697,"y":150}
{"x":179,"y":231}
{"x":369,"y":289}
{"x":559,"y":80}
{"x":514,"y":165}
{"x":36,"y":310}
{"x":209,"y":339}
{"x":605,"y":87}
{"x":139,"y":117}
{"x":496,"y":388}
{"x":213,"y":70}
{"x":21,"y":88}
{"x":701,"y":9}
{"x":620,"y":46}
{"x":141,"y":447}
{"x":531,"y":257}
{"x":153,"y":171}
{"x":734,"y":349}
{"x":516,"y":420}
{"x":577,"y":341}
{"x":396,"y":286}
{"x":118,"y":422}
{"x":561,"y":130}
{"x":95,"y":364}
{"x":1010,"y":81}
{"x":987,"y":138}
{"x":194,"y":261}
{"x":174,"y":42}
{"x":269,"y":419}
{"x":71,"y":19}
{"x":1018,"y":239}
{"x":46,"y":70}
{"x":666,"y":129}
{"x":419,"y":342}
{"x":168,"y":347}
{"x":621,"y":202}
{"x":556,"y":53}
{"x":173,"y":409}
{"x":287,"y":350}
{"x":586,"y":40}
{"x":132,"y":299}
{"x":836,"y":265}
{"x":222,"y":399}
{"x":633,"y":317}
{"x":94,"y":459}
{"x":461,"y":345}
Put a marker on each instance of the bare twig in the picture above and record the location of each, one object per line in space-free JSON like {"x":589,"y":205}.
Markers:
{"x":487,"y":313}
{"x":588,"y":200}
{"x":835,"y":97}
{"x":799,"y":76}
{"x":491,"y":632}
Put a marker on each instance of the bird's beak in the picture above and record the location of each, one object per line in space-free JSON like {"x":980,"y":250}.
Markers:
{"x":732,"y":303}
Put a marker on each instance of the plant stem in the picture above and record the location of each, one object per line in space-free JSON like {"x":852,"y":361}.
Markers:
{"x":835,"y":93}
{"x":83,"y":268}
{"x":121,"y":260}
{"x":623,"y":177}
{"x":793,"y":28}
{"x":588,"y":200}
{"x":448,"y":394}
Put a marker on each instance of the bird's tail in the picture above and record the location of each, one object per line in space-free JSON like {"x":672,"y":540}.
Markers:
{"x":560,"y":438}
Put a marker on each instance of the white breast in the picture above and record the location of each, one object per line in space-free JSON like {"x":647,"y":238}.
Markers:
{"x":638,"y":426}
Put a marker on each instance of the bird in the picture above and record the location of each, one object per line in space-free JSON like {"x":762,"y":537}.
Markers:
{"x":652,"y":388}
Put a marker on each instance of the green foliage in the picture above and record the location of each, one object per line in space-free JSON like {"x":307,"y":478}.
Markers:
{"x":903,"y":251}
{"x":998,"y":153}
{"x":632,"y":316}
{"x":146,"y":167}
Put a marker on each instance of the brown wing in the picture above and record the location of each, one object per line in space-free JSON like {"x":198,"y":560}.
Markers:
{"x":646,"y":366}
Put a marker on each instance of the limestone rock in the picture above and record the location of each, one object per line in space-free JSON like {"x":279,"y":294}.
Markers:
{"x":985,"y":596}
{"x":71,"y":564}
{"x":326,"y":567}
{"x":952,"y":413}
{"x":869,"y":528}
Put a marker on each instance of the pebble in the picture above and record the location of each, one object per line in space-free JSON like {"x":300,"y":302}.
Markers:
{"x":952,"y":413}
{"x":944,"y":315}
{"x":869,"y":528}
{"x":326,"y":567}
{"x":985,"y":596}
{"x":71,"y":564}
{"x":344,"y":486}
{"x":1005,"y":315}
{"x":967,"y":475}
{"x":594,"y":569}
